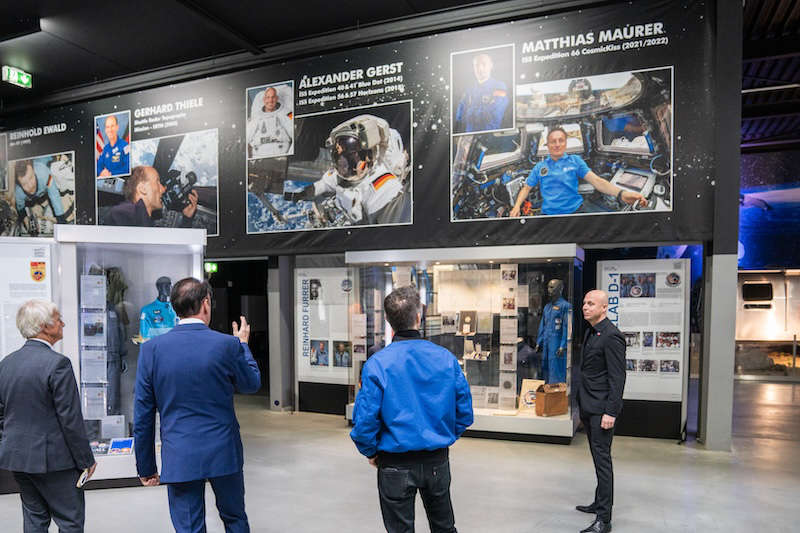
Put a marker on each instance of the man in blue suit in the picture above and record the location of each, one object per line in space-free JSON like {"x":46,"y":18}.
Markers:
{"x":190,"y":375}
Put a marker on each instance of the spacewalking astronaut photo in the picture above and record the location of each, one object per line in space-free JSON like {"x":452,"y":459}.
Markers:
{"x":41,"y":193}
{"x":350,"y":168}
{"x":270,"y":120}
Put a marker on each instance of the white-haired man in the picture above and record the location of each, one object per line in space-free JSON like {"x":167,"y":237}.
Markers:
{"x":42,"y":437}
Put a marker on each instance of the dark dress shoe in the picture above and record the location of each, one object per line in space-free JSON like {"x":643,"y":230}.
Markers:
{"x":591,"y":509}
{"x":598,"y":526}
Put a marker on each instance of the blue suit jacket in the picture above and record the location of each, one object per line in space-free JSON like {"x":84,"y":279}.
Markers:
{"x":190,"y":375}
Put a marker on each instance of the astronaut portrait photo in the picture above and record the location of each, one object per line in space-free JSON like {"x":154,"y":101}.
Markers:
{"x":270,"y":120}
{"x":112,"y":144}
{"x":590,"y":145}
{"x":40,"y":193}
{"x":319,"y":353}
{"x":349,"y":168}
{"x":482,"y":84}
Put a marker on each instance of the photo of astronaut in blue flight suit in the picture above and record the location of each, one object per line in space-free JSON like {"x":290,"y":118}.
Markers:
{"x":482,"y":106}
{"x":114,"y":160}
{"x":35,"y":184}
{"x":158,"y":317}
{"x":554,"y":334}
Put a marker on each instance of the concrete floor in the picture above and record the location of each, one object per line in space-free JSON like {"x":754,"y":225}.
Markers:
{"x":303,"y":474}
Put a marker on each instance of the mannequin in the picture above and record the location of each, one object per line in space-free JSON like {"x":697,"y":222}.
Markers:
{"x":158,"y":317}
{"x":116,"y":363}
{"x":553,"y":333}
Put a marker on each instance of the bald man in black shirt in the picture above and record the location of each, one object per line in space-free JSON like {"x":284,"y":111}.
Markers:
{"x":600,"y":400}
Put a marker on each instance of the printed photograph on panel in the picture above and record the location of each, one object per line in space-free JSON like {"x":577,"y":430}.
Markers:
{"x":342,"y":354}
{"x":579,"y":146}
{"x":270,"y":120}
{"x":40,"y":193}
{"x":482,"y":84}
{"x":639,"y":285}
{"x":349,"y":168}
{"x":173,"y":184}
{"x":319,"y":353}
{"x":112,"y":139}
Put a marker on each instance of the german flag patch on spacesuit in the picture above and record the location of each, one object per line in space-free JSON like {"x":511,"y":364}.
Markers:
{"x":378,"y":183}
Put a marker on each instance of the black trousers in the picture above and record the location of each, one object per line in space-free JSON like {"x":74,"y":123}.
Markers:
{"x":397,"y":487}
{"x":600,"y":446}
{"x":51,"y":495}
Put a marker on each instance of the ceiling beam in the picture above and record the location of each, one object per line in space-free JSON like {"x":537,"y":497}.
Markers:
{"x":11,"y":28}
{"x":219,"y":25}
{"x":780,"y":109}
{"x":765,"y":49}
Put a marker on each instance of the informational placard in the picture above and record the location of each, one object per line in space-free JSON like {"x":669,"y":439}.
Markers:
{"x":93,"y":292}
{"x":648,"y":301}
{"x":27,"y":273}
{"x":323,"y":338}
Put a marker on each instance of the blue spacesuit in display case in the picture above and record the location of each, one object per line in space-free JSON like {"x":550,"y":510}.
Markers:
{"x":158,"y":317}
{"x":554,"y":333}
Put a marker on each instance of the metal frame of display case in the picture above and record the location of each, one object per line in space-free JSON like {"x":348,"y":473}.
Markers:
{"x":546,"y":429}
{"x":68,"y":239}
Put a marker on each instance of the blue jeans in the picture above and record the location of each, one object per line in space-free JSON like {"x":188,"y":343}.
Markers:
{"x":397,"y":488}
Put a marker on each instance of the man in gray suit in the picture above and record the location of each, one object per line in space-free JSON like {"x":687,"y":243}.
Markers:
{"x":42,"y":436}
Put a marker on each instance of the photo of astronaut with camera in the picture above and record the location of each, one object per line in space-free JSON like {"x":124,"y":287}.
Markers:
{"x":350,"y":168}
{"x":590,"y":145}
{"x":173,"y":183}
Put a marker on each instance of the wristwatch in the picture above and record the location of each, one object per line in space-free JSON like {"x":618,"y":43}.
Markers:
{"x":619,"y":196}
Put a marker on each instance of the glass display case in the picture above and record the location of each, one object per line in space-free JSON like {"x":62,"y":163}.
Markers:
{"x":507,"y":313}
{"x":114,"y":296}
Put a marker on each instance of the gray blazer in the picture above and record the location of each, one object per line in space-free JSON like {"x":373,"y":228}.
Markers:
{"x":41,"y":426}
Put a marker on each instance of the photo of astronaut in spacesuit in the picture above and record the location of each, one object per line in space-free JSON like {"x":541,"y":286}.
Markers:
{"x":349,"y":168}
{"x":41,"y":193}
{"x":482,"y":82}
{"x":270,"y":120}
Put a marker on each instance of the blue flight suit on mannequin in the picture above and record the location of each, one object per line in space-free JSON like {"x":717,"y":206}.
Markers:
{"x":156,"y":319}
{"x":552,"y":338}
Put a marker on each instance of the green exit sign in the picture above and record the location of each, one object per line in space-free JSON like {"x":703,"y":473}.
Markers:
{"x":211,"y":267}
{"x":17,"y":77}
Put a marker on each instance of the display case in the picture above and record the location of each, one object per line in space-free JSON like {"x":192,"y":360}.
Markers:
{"x":114,"y":296}
{"x":509,"y":314}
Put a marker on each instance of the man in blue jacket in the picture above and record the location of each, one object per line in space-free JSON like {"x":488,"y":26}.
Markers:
{"x":413,"y":404}
{"x":190,"y":375}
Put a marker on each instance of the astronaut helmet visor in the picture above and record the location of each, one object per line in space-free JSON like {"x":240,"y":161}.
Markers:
{"x":348,"y":158}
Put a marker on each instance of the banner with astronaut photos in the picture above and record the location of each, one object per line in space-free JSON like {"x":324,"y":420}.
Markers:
{"x":592,"y":126}
{"x":648,"y":300}
{"x":37,"y":180}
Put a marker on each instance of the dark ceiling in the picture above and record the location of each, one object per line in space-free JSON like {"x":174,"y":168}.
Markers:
{"x":81,"y":43}
{"x":92,"y":40}
{"x":771,"y":75}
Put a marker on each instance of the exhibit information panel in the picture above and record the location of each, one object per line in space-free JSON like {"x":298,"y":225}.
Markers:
{"x":585,"y":126}
{"x":648,"y":301}
{"x":324,"y":342}
{"x":27,"y":273}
